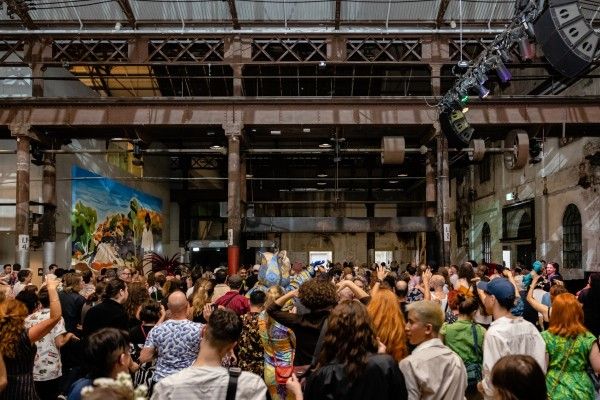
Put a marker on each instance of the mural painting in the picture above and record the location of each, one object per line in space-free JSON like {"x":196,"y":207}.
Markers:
{"x":111,"y":223}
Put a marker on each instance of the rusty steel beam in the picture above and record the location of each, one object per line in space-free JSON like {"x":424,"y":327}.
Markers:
{"x":439,"y":20}
{"x":21,"y":10}
{"x":291,"y":111}
{"x":338,"y":224}
{"x":234,"y":15}
{"x":128,"y":11}
{"x":338,"y":12}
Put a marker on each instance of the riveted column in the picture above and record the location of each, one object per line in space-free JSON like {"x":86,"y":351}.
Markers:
{"x":21,"y":132}
{"x":233,"y":131}
{"x":48,"y":232}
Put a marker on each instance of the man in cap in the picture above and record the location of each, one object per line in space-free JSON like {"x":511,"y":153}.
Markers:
{"x":507,"y":334}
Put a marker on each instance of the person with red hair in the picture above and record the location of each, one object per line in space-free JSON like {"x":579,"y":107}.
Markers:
{"x":568,"y":347}
{"x":388,"y":322}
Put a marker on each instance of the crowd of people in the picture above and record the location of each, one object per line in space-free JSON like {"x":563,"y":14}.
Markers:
{"x":474,"y":331}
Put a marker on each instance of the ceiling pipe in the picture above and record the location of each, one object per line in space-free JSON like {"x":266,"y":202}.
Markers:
{"x":128,"y":33}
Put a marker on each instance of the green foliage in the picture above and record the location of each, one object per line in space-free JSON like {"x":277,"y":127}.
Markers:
{"x":83,"y":225}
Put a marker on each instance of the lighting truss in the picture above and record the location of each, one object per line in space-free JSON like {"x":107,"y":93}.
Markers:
{"x":493,"y":57}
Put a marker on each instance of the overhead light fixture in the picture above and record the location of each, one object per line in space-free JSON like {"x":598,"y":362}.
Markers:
{"x":463,"y":64}
{"x":137,"y":155}
{"x":325,"y":145}
{"x":253,"y":130}
{"x":305,"y":130}
{"x":249,"y":175}
{"x":393,"y":181}
{"x":210,"y":133}
{"x":322,"y":176}
{"x":322,"y":64}
{"x":321,"y":183}
{"x":526,"y":49}
{"x":216,"y":147}
{"x":481,"y":78}
{"x":195,"y":249}
{"x":503,"y":72}
{"x":275,"y":132}
{"x":402,"y":175}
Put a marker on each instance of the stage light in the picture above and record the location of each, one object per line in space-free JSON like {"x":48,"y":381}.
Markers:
{"x":503,"y":72}
{"x":137,"y":155}
{"x":526,"y":49}
{"x":481,"y":78}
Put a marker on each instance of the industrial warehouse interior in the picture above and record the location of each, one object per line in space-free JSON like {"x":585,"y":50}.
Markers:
{"x":273,"y":159}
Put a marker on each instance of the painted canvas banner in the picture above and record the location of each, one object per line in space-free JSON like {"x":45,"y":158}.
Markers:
{"x":111,"y":223}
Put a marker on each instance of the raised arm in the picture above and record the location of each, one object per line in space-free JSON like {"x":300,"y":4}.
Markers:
{"x":41,"y":329}
{"x":539,"y":307}
{"x":426,"y":288}
{"x":358,"y":292}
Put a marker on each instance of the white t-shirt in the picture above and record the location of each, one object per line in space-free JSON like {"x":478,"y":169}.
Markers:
{"x":510,"y":336}
{"x":47,"y":364}
{"x":208,"y":383}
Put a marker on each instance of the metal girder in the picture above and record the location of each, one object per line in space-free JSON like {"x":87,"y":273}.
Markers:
{"x":128,"y":11}
{"x":337,"y":224}
{"x":338,"y":12}
{"x":441,"y":12}
{"x":234,"y":15}
{"x":21,"y":10}
{"x":281,"y":111}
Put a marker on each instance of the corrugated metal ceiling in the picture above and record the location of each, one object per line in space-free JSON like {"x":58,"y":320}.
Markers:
{"x":177,"y":11}
{"x":46,"y":11}
{"x":375,"y":11}
{"x":290,"y":10}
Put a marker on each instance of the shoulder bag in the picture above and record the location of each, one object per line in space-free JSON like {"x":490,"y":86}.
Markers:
{"x":474,"y":372}
{"x":234,"y":374}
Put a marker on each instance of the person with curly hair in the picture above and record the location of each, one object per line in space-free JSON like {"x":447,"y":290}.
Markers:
{"x":319,"y":296}
{"x":138,"y":295}
{"x":387,"y":318}
{"x":352,"y":364}
{"x":278,"y":342}
{"x":17,"y":344}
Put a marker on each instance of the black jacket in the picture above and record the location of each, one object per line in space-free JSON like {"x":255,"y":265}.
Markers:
{"x":108,"y":314}
{"x":381,"y":380}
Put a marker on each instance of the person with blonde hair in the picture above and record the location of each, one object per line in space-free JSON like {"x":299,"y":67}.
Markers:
{"x":568,"y":347}
{"x":279,"y":343}
{"x":388,"y":322}
{"x":432,"y":371}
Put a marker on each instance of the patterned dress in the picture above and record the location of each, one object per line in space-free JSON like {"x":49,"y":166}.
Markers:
{"x":250,"y":348}
{"x":279,"y":343}
{"x":573,"y":383}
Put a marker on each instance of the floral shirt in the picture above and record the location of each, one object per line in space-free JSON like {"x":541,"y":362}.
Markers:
{"x":250,"y":348}
{"x":47,"y":364}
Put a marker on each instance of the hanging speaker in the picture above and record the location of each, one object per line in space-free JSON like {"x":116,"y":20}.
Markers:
{"x":567,"y":38}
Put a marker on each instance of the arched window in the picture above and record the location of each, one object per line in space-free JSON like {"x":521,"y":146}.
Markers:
{"x":486,"y":243}
{"x":572,"y":237}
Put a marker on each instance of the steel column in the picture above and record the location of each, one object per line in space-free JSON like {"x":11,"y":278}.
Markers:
{"x":443,"y":196}
{"x":48,"y":232}
{"x":21,"y":131}
{"x":233,"y":131}
{"x":370,"y":236}
{"x":431,"y":243}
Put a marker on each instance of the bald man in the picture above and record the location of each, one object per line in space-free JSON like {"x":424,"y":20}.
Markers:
{"x":175,"y":342}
